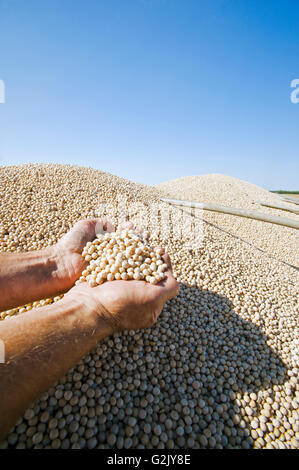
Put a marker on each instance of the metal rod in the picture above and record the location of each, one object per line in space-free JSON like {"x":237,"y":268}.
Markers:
{"x":278,"y":206}
{"x":273,"y":219}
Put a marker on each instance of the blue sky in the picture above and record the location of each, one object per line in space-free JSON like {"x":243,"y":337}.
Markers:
{"x":152,"y":90}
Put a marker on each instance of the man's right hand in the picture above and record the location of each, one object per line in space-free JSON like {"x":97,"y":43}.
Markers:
{"x":127,"y":305}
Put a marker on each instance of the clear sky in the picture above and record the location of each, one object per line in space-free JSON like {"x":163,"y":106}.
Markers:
{"x":153,"y":90}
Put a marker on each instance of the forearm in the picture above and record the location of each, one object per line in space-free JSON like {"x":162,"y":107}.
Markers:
{"x":25,"y":277}
{"x":40,"y":347}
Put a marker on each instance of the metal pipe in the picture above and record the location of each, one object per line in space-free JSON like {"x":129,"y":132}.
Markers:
{"x":273,"y":219}
{"x":278,"y":206}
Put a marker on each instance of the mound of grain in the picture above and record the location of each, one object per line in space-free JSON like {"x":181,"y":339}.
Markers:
{"x":277,"y":241}
{"x":219,"y":368}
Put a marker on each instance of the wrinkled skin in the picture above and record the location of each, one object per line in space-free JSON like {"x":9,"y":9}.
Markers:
{"x":68,"y":250}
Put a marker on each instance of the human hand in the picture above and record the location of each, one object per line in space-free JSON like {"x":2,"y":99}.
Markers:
{"x":70,"y":262}
{"x":127,"y":305}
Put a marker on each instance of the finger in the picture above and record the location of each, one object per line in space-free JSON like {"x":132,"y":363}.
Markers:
{"x":102,"y":226}
{"x":165,"y":257}
{"x":99,"y":227}
{"x":83,"y":231}
{"x":171,"y":287}
{"x":166,"y":289}
{"x":127,"y":225}
{"x":108,"y":226}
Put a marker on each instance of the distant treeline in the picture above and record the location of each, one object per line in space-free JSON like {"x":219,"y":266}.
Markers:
{"x":285,"y":192}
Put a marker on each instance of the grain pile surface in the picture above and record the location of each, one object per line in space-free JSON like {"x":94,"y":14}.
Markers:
{"x":277,"y":241}
{"x":220,"y":367}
